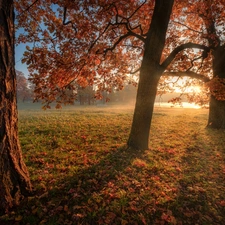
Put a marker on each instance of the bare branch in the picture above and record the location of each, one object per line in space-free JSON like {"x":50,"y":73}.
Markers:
{"x":180,"y":48}
{"x":188,"y":74}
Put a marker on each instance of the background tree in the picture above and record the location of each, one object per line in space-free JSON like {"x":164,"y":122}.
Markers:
{"x":14,"y":177}
{"x":24,"y":92}
{"x":125,"y":96}
{"x":212,"y":14}
{"x":207,"y":35}
{"x":86,"y":95}
{"x":112,"y":41}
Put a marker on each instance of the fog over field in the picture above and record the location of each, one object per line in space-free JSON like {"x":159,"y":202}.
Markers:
{"x":118,"y":106}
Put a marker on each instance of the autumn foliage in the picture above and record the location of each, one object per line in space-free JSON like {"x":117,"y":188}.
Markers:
{"x":101,"y":43}
{"x":74,"y":44}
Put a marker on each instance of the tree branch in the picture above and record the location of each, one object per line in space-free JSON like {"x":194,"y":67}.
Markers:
{"x":116,"y":43}
{"x":129,"y":28}
{"x":180,"y":48}
{"x":193,"y":60}
{"x":138,"y":26}
{"x":121,"y":23}
{"x":132,"y":14}
{"x":27,"y":9}
{"x":137,"y":70}
{"x":68,"y":22}
{"x":100,"y":35}
{"x":210,"y":24}
{"x":189,"y":28}
{"x":188,"y":74}
{"x":133,"y":46}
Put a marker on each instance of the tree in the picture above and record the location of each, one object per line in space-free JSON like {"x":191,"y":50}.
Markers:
{"x":125,"y":96}
{"x":207,"y":35}
{"x":150,"y":74}
{"x":23,"y":90}
{"x":217,"y":46}
{"x":14,"y":177}
{"x":61,"y":59}
{"x":118,"y":38}
{"x":86,"y":95}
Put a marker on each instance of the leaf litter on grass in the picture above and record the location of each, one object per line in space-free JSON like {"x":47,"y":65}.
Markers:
{"x":83,"y":173}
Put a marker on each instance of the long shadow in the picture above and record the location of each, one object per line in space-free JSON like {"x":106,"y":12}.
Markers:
{"x":202,"y":188}
{"x":87,"y":193}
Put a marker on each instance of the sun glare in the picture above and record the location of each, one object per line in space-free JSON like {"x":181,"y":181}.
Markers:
{"x":182,"y":86}
{"x":195,"y":89}
{"x":192,"y":89}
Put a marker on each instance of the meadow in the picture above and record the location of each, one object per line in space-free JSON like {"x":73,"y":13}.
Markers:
{"x":83,"y":173}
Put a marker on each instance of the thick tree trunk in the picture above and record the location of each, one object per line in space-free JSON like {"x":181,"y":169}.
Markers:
{"x":216,"y":107}
{"x":149,"y":75}
{"x":216,"y":114}
{"x":14,"y":177}
{"x":147,"y":89}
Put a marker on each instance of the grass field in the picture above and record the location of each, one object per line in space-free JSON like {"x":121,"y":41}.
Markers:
{"x":83,"y":173}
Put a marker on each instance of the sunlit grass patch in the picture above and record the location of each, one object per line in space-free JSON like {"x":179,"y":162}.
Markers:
{"x":139,"y":163}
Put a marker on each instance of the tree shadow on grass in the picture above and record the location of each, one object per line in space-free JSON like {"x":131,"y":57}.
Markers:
{"x":126,"y":186}
{"x":201,"y":198}
{"x":94,"y":194}
{"x":97,"y":193}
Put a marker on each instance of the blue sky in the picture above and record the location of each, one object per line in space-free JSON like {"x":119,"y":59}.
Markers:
{"x":19,"y":50}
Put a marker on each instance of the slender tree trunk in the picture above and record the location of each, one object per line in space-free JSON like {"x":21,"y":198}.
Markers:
{"x":149,"y":75}
{"x":216,"y":107}
{"x":14,"y":177}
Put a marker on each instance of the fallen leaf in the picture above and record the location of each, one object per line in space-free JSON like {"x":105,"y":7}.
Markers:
{"x":18,"y":218}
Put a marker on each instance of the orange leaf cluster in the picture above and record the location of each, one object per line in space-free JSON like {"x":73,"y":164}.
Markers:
{"x":101,"y":43}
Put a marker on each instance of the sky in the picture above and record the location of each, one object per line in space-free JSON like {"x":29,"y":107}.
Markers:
{"x":19,"y":50}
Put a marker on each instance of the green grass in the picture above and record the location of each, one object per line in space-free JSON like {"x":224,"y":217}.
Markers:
{"x":83,"y":173}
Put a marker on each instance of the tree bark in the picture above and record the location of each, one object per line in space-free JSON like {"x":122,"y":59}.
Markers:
{"x":14,"y":177}
{"x":217,"y":107}
{"x":150,"y":73}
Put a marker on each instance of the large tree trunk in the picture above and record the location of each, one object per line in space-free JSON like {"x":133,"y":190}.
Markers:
{"x":216,"y":107}
{"x":14,"y":177}
{"x":149,"y":75}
